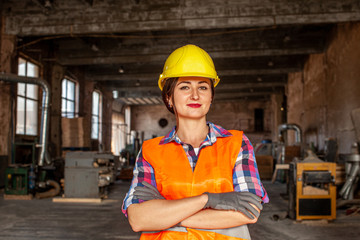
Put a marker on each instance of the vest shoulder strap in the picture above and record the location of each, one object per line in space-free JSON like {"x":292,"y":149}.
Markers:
{"x":151,"y":143}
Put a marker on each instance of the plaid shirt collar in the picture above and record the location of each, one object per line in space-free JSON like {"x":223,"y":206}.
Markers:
{"x":214,"y":132}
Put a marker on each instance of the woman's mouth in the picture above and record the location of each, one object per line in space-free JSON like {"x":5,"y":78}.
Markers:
{"x":194,"y":105}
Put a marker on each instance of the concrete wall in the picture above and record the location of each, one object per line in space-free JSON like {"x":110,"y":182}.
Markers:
{"x":321,"y":98}
{"x":146,"y":119}
{"x":230,"y":115}
{"x":239,"y":115}
{"x":278,"y":114}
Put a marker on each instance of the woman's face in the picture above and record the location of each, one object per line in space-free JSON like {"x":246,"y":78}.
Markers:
{"x":192,"y":97}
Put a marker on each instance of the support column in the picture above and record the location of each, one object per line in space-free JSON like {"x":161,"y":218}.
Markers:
{"x":277,"y":112}
{"x":57,"y":74}
{"x":7,"y":49}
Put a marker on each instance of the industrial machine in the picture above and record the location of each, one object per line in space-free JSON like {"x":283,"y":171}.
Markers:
{"x":312,"y":190}
{"x":87,"y":174}
{"x":284,"y":153}
{"x":16,"y":180}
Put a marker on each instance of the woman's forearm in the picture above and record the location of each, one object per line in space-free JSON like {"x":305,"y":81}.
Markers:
{"x":216,"y":219}
{"x":156,"y":215}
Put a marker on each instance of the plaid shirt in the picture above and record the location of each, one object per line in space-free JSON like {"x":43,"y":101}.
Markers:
{"x":245,"y":175}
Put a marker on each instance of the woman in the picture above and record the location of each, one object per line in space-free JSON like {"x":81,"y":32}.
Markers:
{"x":200,"y":181}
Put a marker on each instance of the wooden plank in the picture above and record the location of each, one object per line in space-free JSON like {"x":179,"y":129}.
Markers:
{"x":18,"y":197}
{"x":77,"y":200}
{"x":277,"y":168}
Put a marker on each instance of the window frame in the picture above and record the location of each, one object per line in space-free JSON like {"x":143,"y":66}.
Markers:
{"x":27,"y":98}
{"x":75,"y":113}
{"x":118,"y":133}
{"x":97,"y":115}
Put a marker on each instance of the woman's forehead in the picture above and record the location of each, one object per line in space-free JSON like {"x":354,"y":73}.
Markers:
{"x":193,"y":79}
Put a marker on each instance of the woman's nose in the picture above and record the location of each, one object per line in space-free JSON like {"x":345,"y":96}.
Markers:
{"x":194,"y":94}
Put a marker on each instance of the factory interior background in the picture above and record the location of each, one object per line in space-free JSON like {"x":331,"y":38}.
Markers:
{"x":79,"y":95}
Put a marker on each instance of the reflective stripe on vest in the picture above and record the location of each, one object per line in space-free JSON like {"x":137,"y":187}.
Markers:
{"x":234,"y":232}
{"x":176,"y":180}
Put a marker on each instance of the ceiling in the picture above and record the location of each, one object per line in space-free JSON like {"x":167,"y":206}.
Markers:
{"x":122,"y":45}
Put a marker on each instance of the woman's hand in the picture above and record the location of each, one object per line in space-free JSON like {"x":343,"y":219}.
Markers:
{"x":238,"y":201}
{"x":147,"y":192}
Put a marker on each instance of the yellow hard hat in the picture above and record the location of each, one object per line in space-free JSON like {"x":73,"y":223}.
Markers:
{"x":188,"y":61}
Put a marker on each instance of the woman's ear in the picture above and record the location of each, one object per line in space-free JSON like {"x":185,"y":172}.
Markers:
{"x":169,"y":102}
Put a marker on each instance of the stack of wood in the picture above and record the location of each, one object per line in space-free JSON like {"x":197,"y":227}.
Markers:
{"x":265,"y":164}
{"x":126,"y":173}
{"x":291,"y":152}
{"x":75,"y":133}
{"x":340,"y":174}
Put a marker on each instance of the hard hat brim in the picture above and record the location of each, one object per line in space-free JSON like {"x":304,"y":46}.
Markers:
{"x":162,"y":79}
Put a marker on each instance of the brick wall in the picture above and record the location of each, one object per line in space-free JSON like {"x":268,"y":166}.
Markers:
{"x":321,"y":98}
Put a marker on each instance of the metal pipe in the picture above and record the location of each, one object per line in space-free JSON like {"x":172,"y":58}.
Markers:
{"x":352,"y":170}
{"x":347,"y":190}
{"x":55,"y":190}
{"x":287,"y":126}
{"x":43,"y":156}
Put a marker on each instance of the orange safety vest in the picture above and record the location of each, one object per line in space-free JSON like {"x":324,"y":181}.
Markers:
{"x":176,"y":180}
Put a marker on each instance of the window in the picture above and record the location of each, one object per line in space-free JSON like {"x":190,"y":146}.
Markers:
{"x":128,"y":122}
{"x":96,"y":115}
{"x":118,"y":135}
{"x":27,"y":100}
{"x":68,"y":98}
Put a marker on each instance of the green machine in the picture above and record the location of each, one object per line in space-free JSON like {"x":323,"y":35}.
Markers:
{"x":20,"y":176}
{"x":16,"y":180}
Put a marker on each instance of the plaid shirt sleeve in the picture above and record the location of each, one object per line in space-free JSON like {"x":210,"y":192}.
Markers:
{"x":143,"y":171}
{"x":246,"y":175}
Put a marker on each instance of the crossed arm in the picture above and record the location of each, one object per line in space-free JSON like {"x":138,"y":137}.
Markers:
{"x":160,"y":214}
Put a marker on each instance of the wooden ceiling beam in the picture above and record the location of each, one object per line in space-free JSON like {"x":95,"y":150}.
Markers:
{"x":219,"y":96}
{"x":225,"y":96}
{"x":69,"y":61}
{"x":113,"y":17}
{"x":219,"y":88}
{"x":128,"y":95}
{"x":221,"y":73}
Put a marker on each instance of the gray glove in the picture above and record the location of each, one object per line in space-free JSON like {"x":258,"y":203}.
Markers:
{"x":239,"y":201}
{"x":147,"y":192}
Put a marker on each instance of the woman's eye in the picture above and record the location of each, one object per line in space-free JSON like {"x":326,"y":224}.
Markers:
{"x":184,"y":87}
{"x":203,"y":87}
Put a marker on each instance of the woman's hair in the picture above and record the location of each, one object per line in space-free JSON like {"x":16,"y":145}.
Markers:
{"x":168,"y":92}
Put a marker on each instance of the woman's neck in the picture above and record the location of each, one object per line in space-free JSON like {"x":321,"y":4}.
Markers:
{"x":193,"y":132}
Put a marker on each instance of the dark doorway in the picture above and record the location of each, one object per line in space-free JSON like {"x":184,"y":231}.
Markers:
{"x":259,"y":119}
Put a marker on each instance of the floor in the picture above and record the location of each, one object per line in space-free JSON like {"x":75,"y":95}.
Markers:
{"x":45,"y":219}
